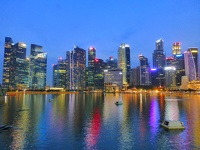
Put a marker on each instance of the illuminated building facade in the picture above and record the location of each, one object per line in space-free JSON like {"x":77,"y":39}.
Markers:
{"x":79,"y":75}
{"x":176,"y":48}
{"x":191,"y":64}
{"x":59,"y":74}
{"x":180,"y":68}
{"x":159,"y":55}
{"x":38,"y":67}
{"x":159,"y":62}
{"x":113,"y":80}
{"x":16,"y":65}
{"x":19,"y":67}
{"x":135,"y":77}
{"x":111,"y":63}
{"x":76,"y":69}
{"x":157,"y":77}
{"x":91,"y":59}
{"x":8,"y":49}
{"x":99,"y":66}
{"x":144,"y":71}
{"x":170,"y":78}
{"x":124,"y":62}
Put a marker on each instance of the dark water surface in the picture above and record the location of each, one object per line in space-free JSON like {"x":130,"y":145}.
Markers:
{"x":93,"y":121}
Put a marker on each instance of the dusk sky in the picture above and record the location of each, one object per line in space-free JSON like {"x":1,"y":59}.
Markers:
{"x":58,"y":25}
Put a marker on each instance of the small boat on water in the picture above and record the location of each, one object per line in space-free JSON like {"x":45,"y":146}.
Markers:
{"x":51,"y":99}
{"x":5,"y":127}
{"x":118,"y":102}
{"x":172,"y":124}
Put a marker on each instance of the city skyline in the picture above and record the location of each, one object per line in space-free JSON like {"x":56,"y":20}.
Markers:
{"x":57,"y":26}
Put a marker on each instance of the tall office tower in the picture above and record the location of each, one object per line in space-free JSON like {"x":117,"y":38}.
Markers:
{"x":124,"y":62}
{"x":69,"y":70}
{"x":159,"y":55}
{"x":79,"y":60}
{"x":135,"y":76}
{"x":170,"y":78}
{"x":8,"y":49}
{"x":91,"y":58}
{"x":76,"y":66}
{"x":59,"y":73}
{"x":159,"y":61}
{"x":176,"y":48}
{"x":144,"y":71}
{"x":38,"y":67}
{"x":99,"y":66}
{"x":111,"y":63}
{"x":180,"y":68}
{"x":19,"y":67}
{"x":191,"y":63}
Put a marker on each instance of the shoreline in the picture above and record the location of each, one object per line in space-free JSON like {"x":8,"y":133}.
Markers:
{"x":78,"y":92}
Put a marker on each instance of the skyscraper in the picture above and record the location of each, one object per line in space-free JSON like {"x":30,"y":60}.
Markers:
{"x":176,"y":48}
{"x":124,"y":62}
{"x":111,"y":63}
{"x":180,"y":68}
{"x":135,"y":76}
{"x":76,"y":66}
{"x":16,"y":65}
{"x":79,"y":60}
{"x":8,"y":49}
{"x":91,"y":58}
{"x":19,"y":67}
{"x":191,"y":63}
{"x":159,"y":62}
{"x":99,"y":67}
{"x":59,"y":74}
{"x":159,"y":55}
{"x":38,"y":67}
{"x":144,"y":71}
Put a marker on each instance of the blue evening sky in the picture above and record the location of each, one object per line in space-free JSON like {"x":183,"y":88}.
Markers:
{"x":58,"y":25}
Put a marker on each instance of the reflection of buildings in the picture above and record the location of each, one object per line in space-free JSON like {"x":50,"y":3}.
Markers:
{"x":93,"y":130}
{"x":154,"y":116}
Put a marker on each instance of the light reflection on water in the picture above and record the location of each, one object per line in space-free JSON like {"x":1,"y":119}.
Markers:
{"x":93,"y":121}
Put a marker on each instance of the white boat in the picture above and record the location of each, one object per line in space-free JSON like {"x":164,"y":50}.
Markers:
{"x":172,"y":124}
{"x":118,"y":102}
